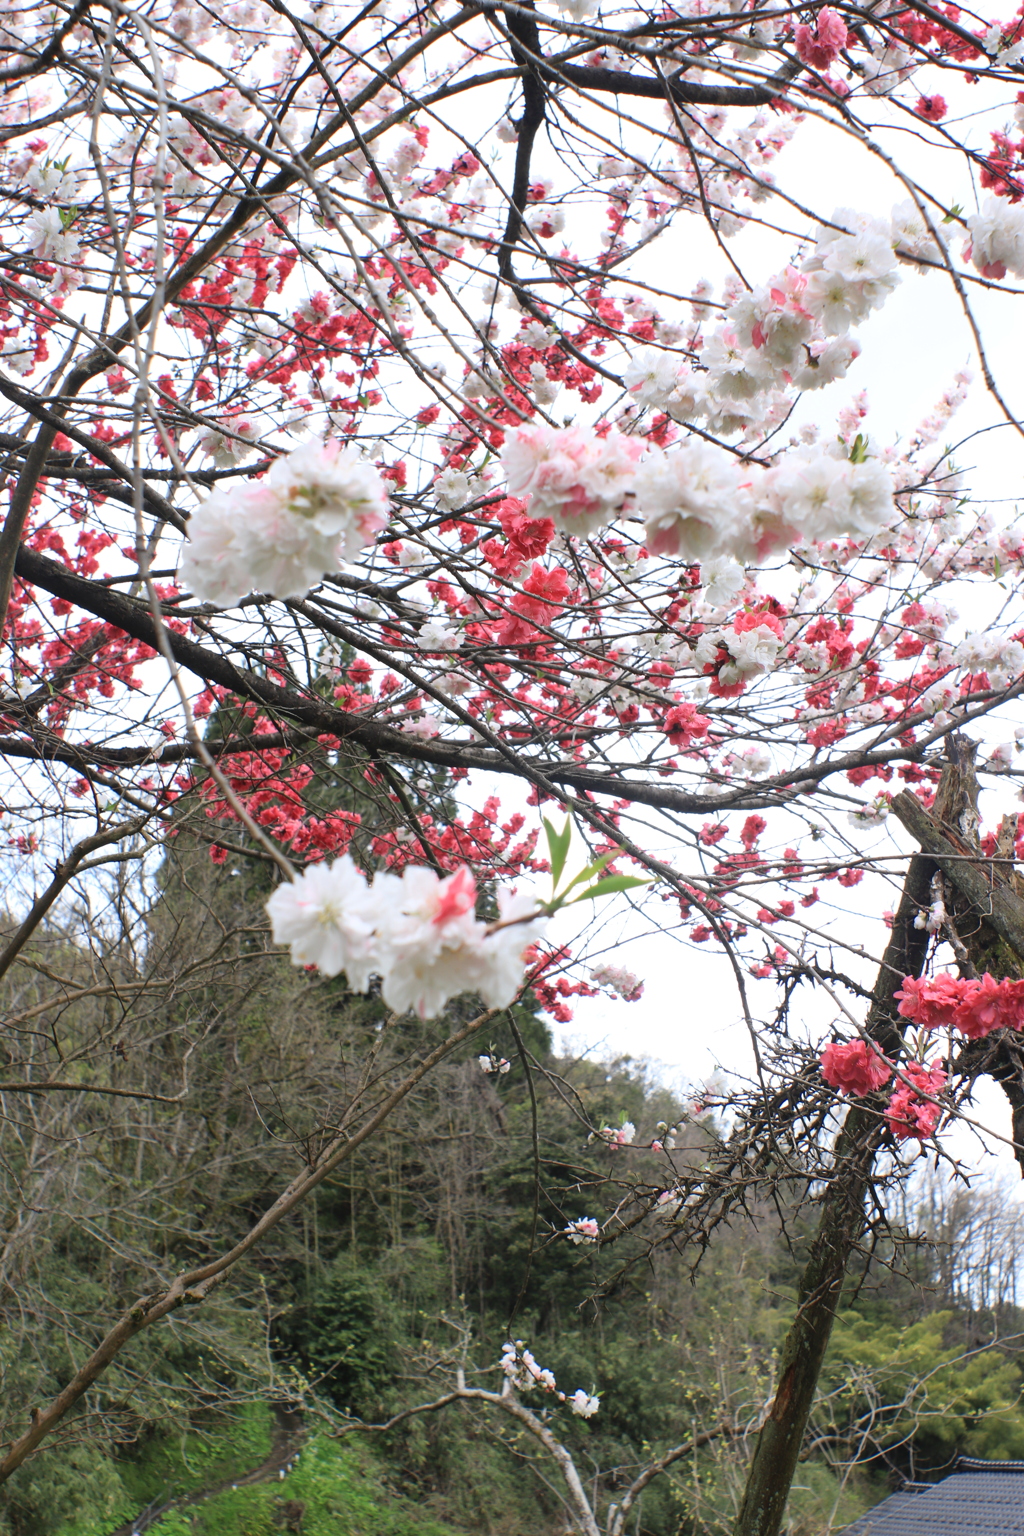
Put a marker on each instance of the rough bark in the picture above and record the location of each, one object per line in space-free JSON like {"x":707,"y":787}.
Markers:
{"x":842,"y":1220}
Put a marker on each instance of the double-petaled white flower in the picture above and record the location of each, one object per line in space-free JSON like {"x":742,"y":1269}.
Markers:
{"x":317,"y":507}
{"x":417,"y":931}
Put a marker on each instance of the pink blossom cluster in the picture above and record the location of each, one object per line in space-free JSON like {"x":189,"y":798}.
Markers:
{"x":819,"y":46}
{"x":911,"y":1115}
{"x":975,"y":1007}
{"x":856,"y":1067}
{"x":318,"y":506}
{"x":524,"y":1374}
{"x":417,"y":931}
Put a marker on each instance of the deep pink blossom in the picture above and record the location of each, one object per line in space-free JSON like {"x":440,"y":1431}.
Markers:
{"x":908,"y":1114}
{"x":856,"y":1067}
{"x":975,"y":1007}
{"x":931,"y":1000}
{"x":819,"y":47}
{"x":932,"y":108}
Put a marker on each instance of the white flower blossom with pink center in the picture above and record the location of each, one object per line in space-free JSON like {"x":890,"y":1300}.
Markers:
{"x":48,"y":237}
{"x":227,"y":451}
{"x":323,"y":915}
{"x":280,"y":535}
{"x":618,"y":980}
{"x":618,"y":1136}
{"x":826,"y":361}
{"x":823,"y":497}
{"x":651,"y":376}
{"x":431,"y":946}
{"x":774,"y":320}
{"x":694,"y":500}
{"x":753,"y":651}
{"x":585,"y":1231}
{"x":997,"y":239}
{"x":723,"y":578}
{"x":577,"y":479}
{"x":753,"y":761}
{"x":335,"y":490}
{"x":999,"y":656}
{"x":734,"y":372}
{"x":242,"y":538}
{"x":425,"y":728}
{"x":417,"y":931}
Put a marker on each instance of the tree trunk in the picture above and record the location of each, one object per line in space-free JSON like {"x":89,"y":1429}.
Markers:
{"x":842,"y":1221}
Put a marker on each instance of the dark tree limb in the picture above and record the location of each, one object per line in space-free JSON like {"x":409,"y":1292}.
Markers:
{"x":289,"y":707}
{"x":989,"y":918}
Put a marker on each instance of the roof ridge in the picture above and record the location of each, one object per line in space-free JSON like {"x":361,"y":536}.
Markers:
{"x":975,"y":1464}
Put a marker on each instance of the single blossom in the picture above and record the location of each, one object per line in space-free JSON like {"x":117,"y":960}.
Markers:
{"x":856,"y":1067}
{"x":585,"y":1231}
{"x":323,"y":916}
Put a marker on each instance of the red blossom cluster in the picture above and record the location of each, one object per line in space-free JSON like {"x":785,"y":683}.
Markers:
{"x":911,"y":1115}
{"x":975,"y":1007}
{"x":859,"y":1067}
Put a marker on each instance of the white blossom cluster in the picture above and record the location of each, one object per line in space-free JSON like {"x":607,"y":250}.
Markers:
{"x":996,"y":244}
{"x":617,"y":979}
{"x":319,"y":505}
{"x":996,"y":654}
{"x":417,"y":931}
{"x":792,"y":332}
{"x":525,"y":1375}
{"x":698,"y":501}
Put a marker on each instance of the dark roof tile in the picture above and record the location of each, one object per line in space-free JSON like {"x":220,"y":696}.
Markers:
{"x":970,"y":1503}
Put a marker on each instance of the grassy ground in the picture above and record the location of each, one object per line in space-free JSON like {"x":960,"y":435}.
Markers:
{"x":331,"y":1489}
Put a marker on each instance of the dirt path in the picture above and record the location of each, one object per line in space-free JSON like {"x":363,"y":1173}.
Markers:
{"x":288,"y":1437}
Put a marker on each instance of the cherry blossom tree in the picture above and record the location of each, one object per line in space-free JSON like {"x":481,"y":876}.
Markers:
{"x":464,"y":400}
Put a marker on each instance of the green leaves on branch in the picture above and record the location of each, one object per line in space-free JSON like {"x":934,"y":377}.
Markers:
{"x":558,"y":850}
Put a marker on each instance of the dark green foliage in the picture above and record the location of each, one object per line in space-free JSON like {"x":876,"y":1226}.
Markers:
{"x":347,"y":1336}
